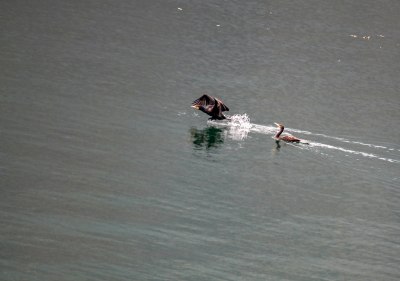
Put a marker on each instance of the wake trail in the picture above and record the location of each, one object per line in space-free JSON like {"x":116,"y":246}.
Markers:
{"x":239,"y":127}
{"x":354,"y":152}
{"x":342,"y":139}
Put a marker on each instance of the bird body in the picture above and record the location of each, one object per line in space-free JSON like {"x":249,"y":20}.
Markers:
{"x":211,"y":106}
{"x":286,"y":138}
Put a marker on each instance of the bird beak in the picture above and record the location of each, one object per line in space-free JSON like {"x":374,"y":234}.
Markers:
{"x":195,"y":106}
{"x":276,"y":124}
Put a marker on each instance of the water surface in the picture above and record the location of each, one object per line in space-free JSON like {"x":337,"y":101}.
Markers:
{"x":108,"y":174}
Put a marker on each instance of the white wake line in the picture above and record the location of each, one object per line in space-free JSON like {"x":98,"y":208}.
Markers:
{"x":268,"y":129}
{"x":342,"y":139}
{"x":365,"y":154}
{"x":241,"y":126}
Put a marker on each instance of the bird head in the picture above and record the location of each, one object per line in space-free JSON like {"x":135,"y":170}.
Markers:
{"x":279,"y":125}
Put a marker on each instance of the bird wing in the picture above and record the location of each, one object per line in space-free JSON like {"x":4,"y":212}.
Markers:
{"x":222,"y":105}
{"x":206,"y":101}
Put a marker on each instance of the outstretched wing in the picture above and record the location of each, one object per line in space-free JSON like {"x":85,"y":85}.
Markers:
{"x":206,"y":101}
{"x":222,"y":105}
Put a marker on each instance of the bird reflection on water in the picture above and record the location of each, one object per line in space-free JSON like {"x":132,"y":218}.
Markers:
{"x":207,"y":138}
{"x":278,"y":145}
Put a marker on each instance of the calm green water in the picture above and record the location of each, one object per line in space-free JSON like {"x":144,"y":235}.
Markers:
{"x":108,"y":174}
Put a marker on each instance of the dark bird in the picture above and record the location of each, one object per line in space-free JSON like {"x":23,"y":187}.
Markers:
{"x":284,"y":138}
{"x":211,"y":106}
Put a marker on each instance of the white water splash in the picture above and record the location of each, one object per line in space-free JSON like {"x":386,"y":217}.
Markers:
{"x":239,"y":126}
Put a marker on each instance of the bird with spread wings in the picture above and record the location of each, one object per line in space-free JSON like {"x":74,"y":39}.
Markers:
{"x":211,"y":106}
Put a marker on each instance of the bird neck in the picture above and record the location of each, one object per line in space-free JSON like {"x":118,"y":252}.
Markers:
{"x":279,"y":132}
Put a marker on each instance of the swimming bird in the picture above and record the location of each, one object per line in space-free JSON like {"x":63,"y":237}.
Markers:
{"x":286,"y":138}
{"x":211,"y":106}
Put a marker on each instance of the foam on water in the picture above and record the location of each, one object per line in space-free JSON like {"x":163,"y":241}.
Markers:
{"x":240,"y":121}
{"x":238,"y":125}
